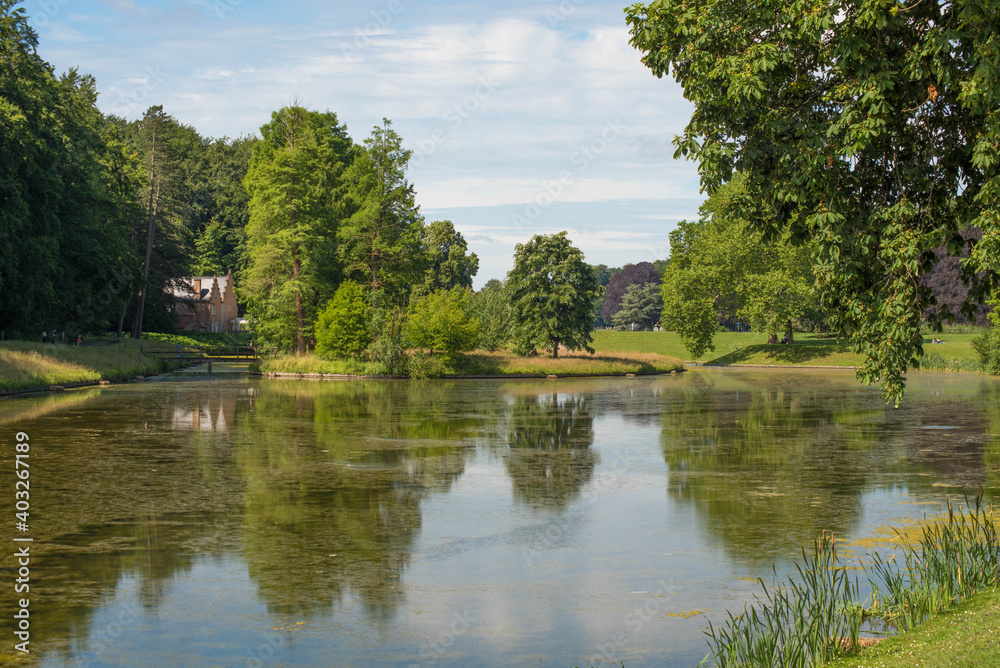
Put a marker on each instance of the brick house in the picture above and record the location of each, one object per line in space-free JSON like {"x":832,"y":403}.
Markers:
{"x":206,"y":304}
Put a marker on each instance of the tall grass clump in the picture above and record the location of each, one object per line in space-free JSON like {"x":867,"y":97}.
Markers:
{"x":817,"y":616}
{"x":938,"y":362}
{"x":799,"y":624}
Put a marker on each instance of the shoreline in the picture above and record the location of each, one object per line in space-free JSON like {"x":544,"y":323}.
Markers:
{"x":31,"y":390}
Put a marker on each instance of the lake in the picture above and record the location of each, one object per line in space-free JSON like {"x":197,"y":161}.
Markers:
{"x":249,"y":522}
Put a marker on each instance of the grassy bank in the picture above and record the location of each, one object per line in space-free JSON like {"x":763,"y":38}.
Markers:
{"x":955,"y":354}
{"x":482,"y":363}
{"x":967,"y":635}
{"x":26,"y":365}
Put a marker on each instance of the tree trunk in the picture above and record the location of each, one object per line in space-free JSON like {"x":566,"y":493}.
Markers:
{"x":154,"y":196}
{"x":555,"y":350}
{"x":121,"y":320}
{"x":772,"y":338}
{"x":789,"y":333}
{"x":300,"y":340}
{"x":140,"y":309}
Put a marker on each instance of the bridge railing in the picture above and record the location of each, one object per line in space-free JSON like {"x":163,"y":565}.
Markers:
{"x":219,"y":353}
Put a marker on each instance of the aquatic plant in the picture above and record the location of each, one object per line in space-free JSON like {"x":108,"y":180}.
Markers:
{"x":816,"y":617}
{"x":938,"y":362}
{"x":802,"y":623}
{"x":953,"y":560}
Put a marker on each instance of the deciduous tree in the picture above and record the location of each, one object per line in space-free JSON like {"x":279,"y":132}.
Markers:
{"x":870,"y":127}
{"x":449,"y":264}
{"x":443,"y":321}
{"x":721,"y":265}
{"x":551,"y":291}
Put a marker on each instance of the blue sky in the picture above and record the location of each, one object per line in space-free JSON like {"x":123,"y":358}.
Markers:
{"x":524,"y":117}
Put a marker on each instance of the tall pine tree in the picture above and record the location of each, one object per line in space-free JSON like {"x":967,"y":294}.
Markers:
{"x":296,"y":202}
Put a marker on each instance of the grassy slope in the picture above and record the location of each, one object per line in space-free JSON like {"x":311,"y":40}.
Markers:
{"x":576,"y":363}
{"x":751,"y":348}
{"x":967,"y":635}
{"x":24,"y":364}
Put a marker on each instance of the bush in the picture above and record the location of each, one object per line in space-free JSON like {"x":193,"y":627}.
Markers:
{"x":342,"y":325}
{"x":443,"y":321}
{"x":423,"y":365}
{"x":492,"y":308}
{"x":386,"y":351}
{"x":987,"y":344}
{"x":987,"y":347}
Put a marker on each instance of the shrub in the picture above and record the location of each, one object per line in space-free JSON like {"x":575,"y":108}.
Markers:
{"x":492,"y":308}
{"x":987,"y":344}
{"x":443,"y":321}
{"x":987,"y":347}
{"x":342,"y":325}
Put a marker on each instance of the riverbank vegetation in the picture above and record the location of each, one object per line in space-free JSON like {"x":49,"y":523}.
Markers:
{"x":818,"y":616}
{"x":485,"y":363}
{"x":966,"y":635}
{"x":26,"y":365}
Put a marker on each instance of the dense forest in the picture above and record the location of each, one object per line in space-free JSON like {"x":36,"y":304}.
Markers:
{"x":99,"y":215}
{"x":101,"y":218}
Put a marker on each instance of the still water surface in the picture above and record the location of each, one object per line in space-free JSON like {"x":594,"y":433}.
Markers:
{"x":575,"y":522}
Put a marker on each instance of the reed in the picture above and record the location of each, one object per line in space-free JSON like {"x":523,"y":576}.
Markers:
{"x":938,"y":362}
{"x":812,"y":619}
{"x":802,"y":622}
{"x":953,"y":560}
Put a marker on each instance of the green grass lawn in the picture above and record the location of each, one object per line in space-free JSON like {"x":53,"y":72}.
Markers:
{"x":967,"y":635}
{"x":808,"y":349}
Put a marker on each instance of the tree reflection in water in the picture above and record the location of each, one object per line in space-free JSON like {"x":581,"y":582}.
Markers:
{"x":548,"y":456}
{"x":335,"y":474}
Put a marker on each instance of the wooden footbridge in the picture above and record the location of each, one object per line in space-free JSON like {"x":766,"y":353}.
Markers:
{"x":194,"y":354}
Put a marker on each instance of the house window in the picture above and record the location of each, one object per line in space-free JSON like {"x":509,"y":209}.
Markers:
{"x":213,"y":310}
{"x":215,"y":327}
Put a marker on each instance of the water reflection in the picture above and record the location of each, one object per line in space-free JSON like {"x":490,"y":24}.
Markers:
{"x":770,"y":460}
{"x":549,"y":459}
{"x":334,"y":479}
{"x":361,"y":505}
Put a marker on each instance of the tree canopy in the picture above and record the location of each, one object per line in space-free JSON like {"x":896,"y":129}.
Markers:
{"x":551,"y":290}
{"x":449,"y":262}
{"x":342,"y":325}
{"x":443,"y":321}
{"x":64,"y":219}
{"x":380,"y":241}
{"x":295,"y":186}
{"x":641,"y":306}
{"x":619,"y":282}
{"x":869,"y":127}
{"x":720,"y":265}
